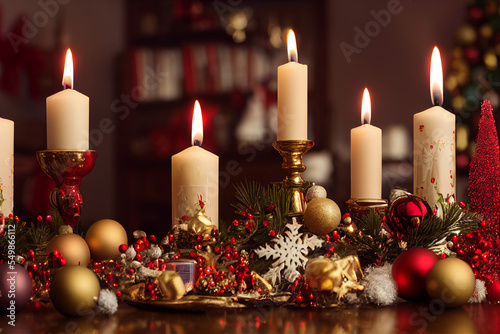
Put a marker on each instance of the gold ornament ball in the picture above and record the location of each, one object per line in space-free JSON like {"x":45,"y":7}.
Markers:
{"x":171,"y":285}
{"x":322,"y":216}
{"x":104,"y":238}
{"x":73,"y":247}
{"x":452,"y":281}
{"x":74,"y":291}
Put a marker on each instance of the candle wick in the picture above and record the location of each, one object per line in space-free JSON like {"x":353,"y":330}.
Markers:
{"x":66,"y":86}
{"x":366,"y":119}
{"x":293,"y":57}
{"x":437,"y":98}
{"x":196,"y":142}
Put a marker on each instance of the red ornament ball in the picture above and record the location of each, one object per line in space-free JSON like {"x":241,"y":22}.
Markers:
{"x":15,"y":288}
{"x":410,"y":270}
{"x":407,"y":212}
{"x":493,"y":291}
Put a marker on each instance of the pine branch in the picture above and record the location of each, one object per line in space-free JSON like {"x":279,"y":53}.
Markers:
{"x":434,"y":230}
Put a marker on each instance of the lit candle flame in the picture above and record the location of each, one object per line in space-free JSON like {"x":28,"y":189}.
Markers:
{"x":197,"y":125}
{"x":436,"y":82}
{"x":292,"y":47}
{"x":67,"y":81}
{"x":366,"y":108}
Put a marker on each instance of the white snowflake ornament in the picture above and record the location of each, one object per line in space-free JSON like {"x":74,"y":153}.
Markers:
{"x":290,"y":253}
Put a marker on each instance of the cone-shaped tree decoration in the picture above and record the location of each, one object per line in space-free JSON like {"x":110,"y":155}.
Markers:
{"x":481,"y":248}
{"x":484,"y":173}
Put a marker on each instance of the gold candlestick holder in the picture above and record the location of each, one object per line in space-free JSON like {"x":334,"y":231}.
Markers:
{"x":67,"y":168}
{"x":360,"y":207}
{"x":293,"y":152}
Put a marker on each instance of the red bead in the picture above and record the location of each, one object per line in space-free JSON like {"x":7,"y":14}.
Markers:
{"x":265,"y":223}
{"x":236,"y":223}
{"x":138,"y":257}
{"x":48,"y":218}
{"x":192,"y":254}
{"x":272,"y":233}
{"x":299,"y":299}
{"x":442,"y":256}
{"x":217,"y":250}
{"x":39,"y":218}
{"x":152,"y":238}
{"x":118,"y":293}
{"x":123,"y":248}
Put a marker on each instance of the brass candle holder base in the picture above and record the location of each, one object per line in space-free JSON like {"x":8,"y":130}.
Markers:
{"x":293,"y":152}
{"x":360,"y":207}
{"x":67,"y":168}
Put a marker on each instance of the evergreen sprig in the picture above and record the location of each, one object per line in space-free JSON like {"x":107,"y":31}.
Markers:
{"x":434,"y":230}
{"x":33,"y":236}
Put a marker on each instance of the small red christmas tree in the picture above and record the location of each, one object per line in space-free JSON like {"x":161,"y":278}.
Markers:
{"x":481,"y":248}
{"x":484,"y":173}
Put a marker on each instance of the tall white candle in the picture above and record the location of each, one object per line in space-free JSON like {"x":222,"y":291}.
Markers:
{"x":7,"y":166}
{"x":68,"y":115}
{"x":434,"y":144}
{"x":195,"y":173}
{"x":366,"y":156}
{"x":292,"y":96}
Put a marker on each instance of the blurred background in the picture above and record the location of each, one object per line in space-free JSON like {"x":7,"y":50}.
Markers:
{"x":144,"y":62}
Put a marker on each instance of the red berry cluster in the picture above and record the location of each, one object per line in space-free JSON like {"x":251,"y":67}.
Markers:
{"x":302,"y":293}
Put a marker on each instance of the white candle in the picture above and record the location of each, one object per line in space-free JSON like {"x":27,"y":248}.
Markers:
{"x":434,"y":144}
{"x":292,"y":96}
{"x":68,"y":115}
{"x":366,"y":156}
{"x":195,"y":173}
{"x":7,"y":166}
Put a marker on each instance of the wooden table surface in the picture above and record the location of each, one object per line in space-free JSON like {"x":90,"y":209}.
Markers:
{"x":403,"y":318}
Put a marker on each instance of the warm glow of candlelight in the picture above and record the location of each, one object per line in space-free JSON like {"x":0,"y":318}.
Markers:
{"x":197,"y":125}
{"x":436,"y":82}
{"x":366,"y":108}
{"x":67,"y":81}
{"x":292,"y":47}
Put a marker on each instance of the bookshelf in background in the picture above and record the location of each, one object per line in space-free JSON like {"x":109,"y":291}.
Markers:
{"x":225,"y":54}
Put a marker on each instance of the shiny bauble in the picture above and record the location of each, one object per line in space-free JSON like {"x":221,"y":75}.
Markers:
{"x":407,"y":212}
{"x":410,"y":271}
{"x":493,"y":291}
{"x":451,"y":281}
{"x":15,"y":288}
{"x":74,"y":291}
{"x":73,"y":248}
{"x":104,"y":238}
{"x":322,"y":216}
{"x":315,"y":192}
{"x":171,"y":285}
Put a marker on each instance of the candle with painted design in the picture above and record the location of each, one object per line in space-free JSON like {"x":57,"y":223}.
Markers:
{"x":68,"y":115}
{"x":195,"y":173}
{"x":434,"y":144}
{"x":292,"y":95}
{"x":366,"y":156}
{"x":6,"y":166}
